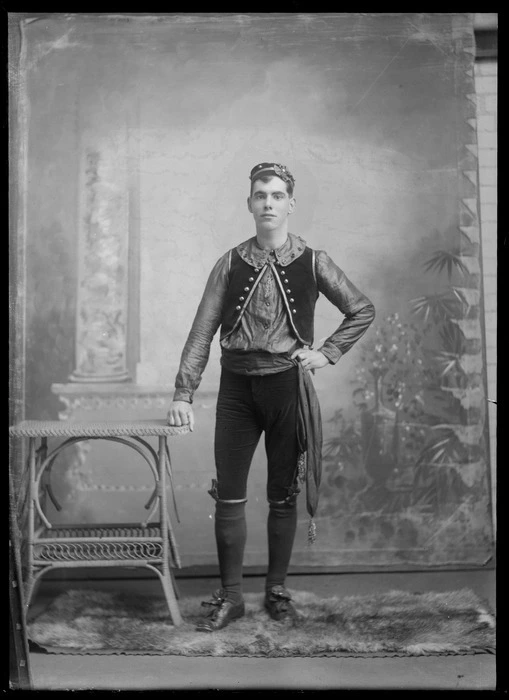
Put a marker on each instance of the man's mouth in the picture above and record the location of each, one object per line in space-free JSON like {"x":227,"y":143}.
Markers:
{"x":268,"y":216}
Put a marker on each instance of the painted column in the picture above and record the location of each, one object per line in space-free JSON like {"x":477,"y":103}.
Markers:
{"x":102,"y":300}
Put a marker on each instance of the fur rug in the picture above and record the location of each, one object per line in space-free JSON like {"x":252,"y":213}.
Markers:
{"x":386,"y":624}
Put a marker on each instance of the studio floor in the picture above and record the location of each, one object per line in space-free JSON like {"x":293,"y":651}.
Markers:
{"x":473,"y":672}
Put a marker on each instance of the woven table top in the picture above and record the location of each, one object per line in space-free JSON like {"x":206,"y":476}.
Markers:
{"x":56,"y":428}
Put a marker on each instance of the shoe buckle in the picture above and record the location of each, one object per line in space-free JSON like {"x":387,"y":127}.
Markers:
{"x":280,"y":593}
{"x":216,"y":601}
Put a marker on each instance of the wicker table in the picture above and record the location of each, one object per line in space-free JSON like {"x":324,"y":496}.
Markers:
{"x":147,"y":544}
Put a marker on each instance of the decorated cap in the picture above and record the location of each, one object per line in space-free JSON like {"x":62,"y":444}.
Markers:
{"x":272,"y":169}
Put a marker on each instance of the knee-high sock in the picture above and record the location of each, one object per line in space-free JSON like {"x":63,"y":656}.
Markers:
{"x":231,"y":533}
{"x":281,"y":527}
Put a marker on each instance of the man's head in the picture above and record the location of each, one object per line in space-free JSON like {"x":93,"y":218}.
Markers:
{"x":271,"y":200}
{"x":266,"y":171}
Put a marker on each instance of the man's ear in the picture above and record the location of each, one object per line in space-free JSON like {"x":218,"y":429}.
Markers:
{"x":292,"y":205}
{"x":249,"y":205}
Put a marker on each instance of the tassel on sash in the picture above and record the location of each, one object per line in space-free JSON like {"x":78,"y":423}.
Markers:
{"x":301,"y":467}
{"x":311,"y":531}
{"x":301,"y":475}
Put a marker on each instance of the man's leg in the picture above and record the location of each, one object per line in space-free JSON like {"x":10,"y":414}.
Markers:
{"x":236,"y":436}
{"x":281,"y":397}
{"x":281,"y":528}
{"x":231,"y":534}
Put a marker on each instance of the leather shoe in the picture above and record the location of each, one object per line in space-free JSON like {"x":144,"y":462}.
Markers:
{"x":278,"y":604}
{"x":222,"y":613}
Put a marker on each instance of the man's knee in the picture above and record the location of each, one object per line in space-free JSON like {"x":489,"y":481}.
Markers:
{"x":215,"y":495}
{"x":287,"y":503}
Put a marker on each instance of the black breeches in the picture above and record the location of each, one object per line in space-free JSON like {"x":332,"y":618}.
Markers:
{"x":246,"y":407}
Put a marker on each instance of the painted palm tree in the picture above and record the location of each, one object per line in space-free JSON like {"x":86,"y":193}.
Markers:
{"x":368,"y":453}
{"x":455,"y":445}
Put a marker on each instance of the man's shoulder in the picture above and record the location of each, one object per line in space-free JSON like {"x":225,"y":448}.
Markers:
{"x":323,"y":261}
{"x":245,"y":244}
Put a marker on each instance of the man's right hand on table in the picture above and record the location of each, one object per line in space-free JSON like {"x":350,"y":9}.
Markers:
{"x":181,"y":413}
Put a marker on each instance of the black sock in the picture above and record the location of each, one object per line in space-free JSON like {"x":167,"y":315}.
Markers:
{"x":281,"y":527}
{"x":231,"y":533}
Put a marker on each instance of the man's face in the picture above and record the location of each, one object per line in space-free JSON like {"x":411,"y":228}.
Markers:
{"x":270,"y":204}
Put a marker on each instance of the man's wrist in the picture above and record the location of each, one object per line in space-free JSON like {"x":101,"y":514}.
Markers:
{"x":183,"y":395}
{"x":331,"y":352}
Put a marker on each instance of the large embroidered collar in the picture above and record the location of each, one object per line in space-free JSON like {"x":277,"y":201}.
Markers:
{"x":291,"y":249}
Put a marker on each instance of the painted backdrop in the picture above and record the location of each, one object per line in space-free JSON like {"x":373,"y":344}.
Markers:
{"x":137,"y":137}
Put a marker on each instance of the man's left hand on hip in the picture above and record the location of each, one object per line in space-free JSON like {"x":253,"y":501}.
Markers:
{"x":310,"y":359}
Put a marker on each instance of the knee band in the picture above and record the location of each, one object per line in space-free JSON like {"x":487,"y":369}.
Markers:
{"x":283,"y":508}
{"x":229,"y":512}
{"x":214,"y":493}
{"x":290,"y":500}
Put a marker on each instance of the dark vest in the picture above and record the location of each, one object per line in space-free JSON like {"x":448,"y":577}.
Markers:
{"x":296,"y":283}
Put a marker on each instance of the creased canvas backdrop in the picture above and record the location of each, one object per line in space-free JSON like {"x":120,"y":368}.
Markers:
{"x":138,"y":135}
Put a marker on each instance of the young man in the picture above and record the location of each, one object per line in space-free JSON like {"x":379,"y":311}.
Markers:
{"x":262,"y":294}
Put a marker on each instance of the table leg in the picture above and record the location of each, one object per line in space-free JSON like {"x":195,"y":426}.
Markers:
{"x":163,"y":513}
{"x":41,"y":455}
{"x":31,"y":516}
{"x":174,"y":583}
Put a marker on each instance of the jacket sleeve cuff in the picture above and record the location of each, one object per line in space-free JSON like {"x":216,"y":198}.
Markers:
{"x":331,"y":352}
{"x":183,"y":395}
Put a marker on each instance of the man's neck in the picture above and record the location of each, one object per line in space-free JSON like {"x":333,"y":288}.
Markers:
{"x":271,"y":240}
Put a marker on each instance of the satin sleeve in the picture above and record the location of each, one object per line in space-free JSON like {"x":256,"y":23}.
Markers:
{"x":357,"y":309}
{"x":207,"y":320}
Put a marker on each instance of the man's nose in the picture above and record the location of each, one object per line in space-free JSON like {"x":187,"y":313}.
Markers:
{"x":268,"y":203}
